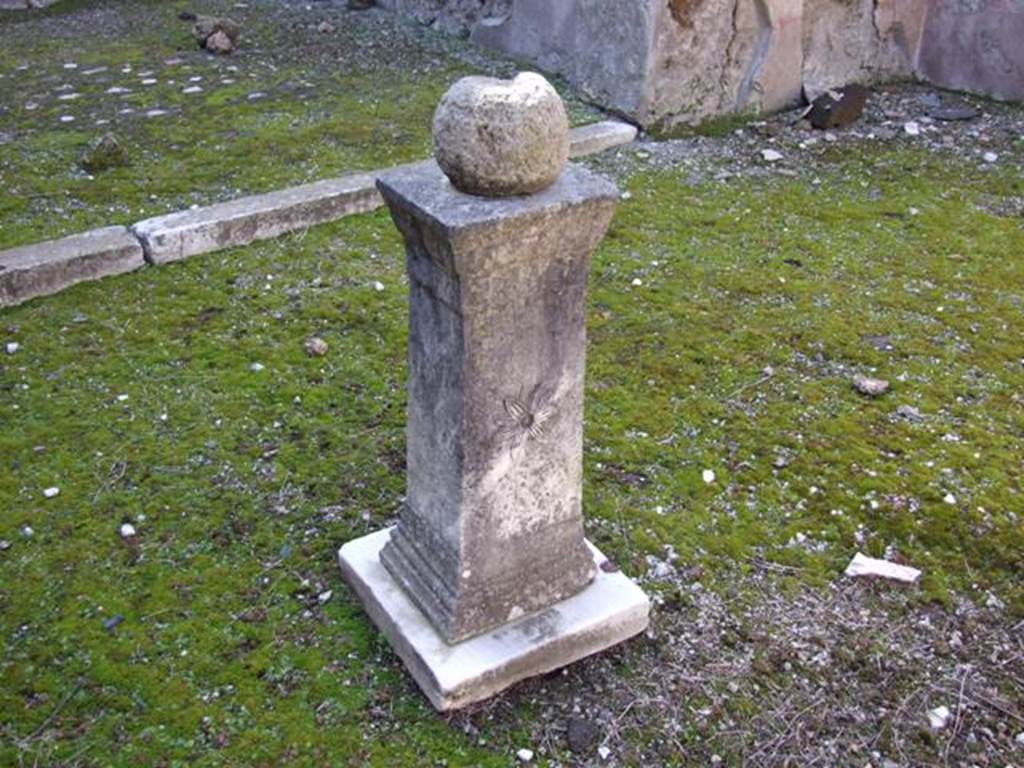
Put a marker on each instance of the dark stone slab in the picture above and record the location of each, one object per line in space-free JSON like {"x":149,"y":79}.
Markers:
{"x":838,"y":108}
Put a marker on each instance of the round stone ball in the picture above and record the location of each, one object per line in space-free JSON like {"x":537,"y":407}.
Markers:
{"x":499,"y":138}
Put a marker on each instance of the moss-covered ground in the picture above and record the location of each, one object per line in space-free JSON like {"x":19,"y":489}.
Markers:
{"x":726,"y":322}
{"x":292,"y":105}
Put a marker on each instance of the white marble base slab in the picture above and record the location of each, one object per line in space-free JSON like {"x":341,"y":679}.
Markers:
{"x":611,"y":609}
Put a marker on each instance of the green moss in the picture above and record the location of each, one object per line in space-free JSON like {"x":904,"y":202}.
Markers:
{"x":136,"y":397}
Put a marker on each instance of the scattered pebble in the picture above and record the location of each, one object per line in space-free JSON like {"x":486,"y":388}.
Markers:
{"x":12,"y":347}
{"x":604,"y":753}
{"x":127,"y":530}
{"x":192,"y":89}
{"x":637,"y":282}
{"x":256,"y":367}
{"x":315,"y":346}
{"x":771,"y":155}
{"x":112,"y":623}
{"x":4,"y":545}
{"x":866,"y":385}
{"x":938,"y":718}
{"x":708,"y":476}
{"x":911,"y":128}
{"x":525,"y":755}
{"x":949,"y":498}
{"x":990,"y":157}
{"x":51,"y":492}
{"x":377,"y":285}
{"x":27,"y":532}
{"x":323,"y":597}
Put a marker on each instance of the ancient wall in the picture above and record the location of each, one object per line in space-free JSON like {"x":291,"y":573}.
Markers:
{"x":665,"y":62}
{"x":975,"y":45}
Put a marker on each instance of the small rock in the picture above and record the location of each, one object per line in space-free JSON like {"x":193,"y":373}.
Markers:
{"x":219,"y":43}
{"x":911,"y":128}
{"x":938,"y":718}
{"x":870,"y":387}
{"x":708,"y":475}
{"x":324,"y":597}
{"x":990,"y":157}
{"x":12,"y":347}
{"x":4,"y":545}
{"x":315,"y":346}
{"x":582,"y":735}
{"x":112,"y":623}
{"x":950,"y":499}
{"x":525,"y":755}
{"x":909,"y":413}
{"x":604,"y":753}
{"x":104,"y":153}
{"x":127,"y":530}
{"x":27,"y":532}
{"x":325,"y":28}
{"x":771,"y":155}
{"x":51,"y":492}
{"x":1020,"y":738}
{"x":256,"y":367}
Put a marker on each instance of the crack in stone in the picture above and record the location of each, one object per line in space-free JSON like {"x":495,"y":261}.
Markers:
{"x":764,"y":44}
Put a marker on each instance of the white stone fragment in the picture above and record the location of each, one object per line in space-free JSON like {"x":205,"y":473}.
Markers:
{"x":708,"y":475}
{"x":771,"y":155}
{"x":938,"y":718}
{"x":862,"y":565}
{"x":12,"y":347}
{"x":911,"y":128}
{"x":378,"y":285}
{"x":127,"y":530}
{"x":324,"y":597}
{"x":51,"y":492}
{"x":603,"y":752}
{"x":950,"y":499}
{"x":524,"y":755}
{"x":256,"y":367}
{"x":990,"y":157}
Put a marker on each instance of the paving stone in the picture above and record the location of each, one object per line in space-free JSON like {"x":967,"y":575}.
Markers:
{"x":597,"y":137}
{"x":248,"y":219}
{"x":45,"y":268}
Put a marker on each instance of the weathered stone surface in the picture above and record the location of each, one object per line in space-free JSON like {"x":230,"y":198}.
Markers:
{"x":611,"y":609}
{"x":104,"y":153}
{"x":492,"y":527}
{"x":45,"y":268}
{"x":187,"y":233}
{"x":499,"y":138}
{"x":597,"y":137}
{"x":976,"y":45}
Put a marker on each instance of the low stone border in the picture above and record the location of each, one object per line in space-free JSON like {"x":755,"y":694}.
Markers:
{"x":48,"y":267}
{"x":45,"y":268}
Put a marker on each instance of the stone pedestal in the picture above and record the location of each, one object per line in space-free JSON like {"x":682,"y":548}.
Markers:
{"x":491,"y":536}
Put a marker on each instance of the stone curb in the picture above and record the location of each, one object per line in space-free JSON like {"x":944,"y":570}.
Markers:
{"x":45,"y":268}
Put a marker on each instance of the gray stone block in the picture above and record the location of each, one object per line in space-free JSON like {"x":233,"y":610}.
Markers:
{"x":608,"y":611}
{"x":597,"y":137}
{"x":492,"y":528}
{"x":44,"y":268}
{"x":239,"y":222}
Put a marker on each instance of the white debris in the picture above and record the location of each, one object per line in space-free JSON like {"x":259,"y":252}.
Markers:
{"x":51,"y":492}
{"x":862,"y":565}
{"x":323,"y":597}
{"x":637,"y":282}
{"x":990,"y":157}
{"x":12,"y":347}
{"x":525,"y":755}
{"x":604,"y":753}
{"x":256,"y":367}
{"x":1020,"y":738}
{"x":771,"y":155}
{"x":938,"y":718}
{"x":27,"y":532}
{"x":378,"y":285}
{"x":949,"y":498}
{"x":708,"y":475}
{"x":127,"y":530}
{"x":911,"y":128}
